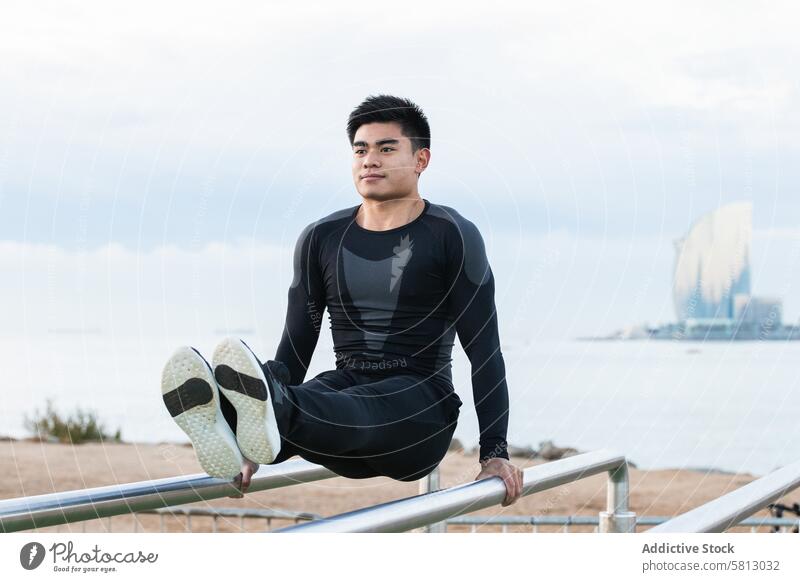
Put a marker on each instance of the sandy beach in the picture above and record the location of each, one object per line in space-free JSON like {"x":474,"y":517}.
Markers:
{"x":33,"y":468}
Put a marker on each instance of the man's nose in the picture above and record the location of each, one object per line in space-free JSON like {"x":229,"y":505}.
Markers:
{"x":371,"y":160}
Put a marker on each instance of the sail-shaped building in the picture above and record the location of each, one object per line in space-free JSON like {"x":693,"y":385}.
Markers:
{"x":712,"y":264}
{"x":711,"y":286}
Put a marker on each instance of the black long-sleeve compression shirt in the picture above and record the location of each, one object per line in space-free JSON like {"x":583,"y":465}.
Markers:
{"x":395,"y":299}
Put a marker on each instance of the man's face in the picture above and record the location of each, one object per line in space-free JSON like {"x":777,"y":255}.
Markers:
{"x":383,"y":150}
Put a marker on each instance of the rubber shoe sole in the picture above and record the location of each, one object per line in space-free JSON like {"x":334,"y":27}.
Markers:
{"x":241,"y":379}
{"x":189,"y":391}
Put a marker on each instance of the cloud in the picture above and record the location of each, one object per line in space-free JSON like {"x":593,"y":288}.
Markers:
{"x":183,"y":124}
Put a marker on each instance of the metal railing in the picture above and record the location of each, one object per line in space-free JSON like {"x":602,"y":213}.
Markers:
{"x":436,"y":506}
{"x":566,"y":521}
{"x":724,"y":512}
{"x":85,"y":504}
{"x":535,"y":522}
{"x":228,"y":512}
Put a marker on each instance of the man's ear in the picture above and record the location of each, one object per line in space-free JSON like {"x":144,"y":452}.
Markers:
{"x":423,"y":159}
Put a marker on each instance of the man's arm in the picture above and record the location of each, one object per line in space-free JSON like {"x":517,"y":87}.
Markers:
{"x":471,"y":303}
{"x":305,"y":308}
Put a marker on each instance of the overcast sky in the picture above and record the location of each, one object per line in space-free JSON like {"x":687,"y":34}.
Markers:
{"x":180,"y":139}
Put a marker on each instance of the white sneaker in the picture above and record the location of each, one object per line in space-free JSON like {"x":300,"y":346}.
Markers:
{"x":242,"y":380}
{"x":190,"y":394}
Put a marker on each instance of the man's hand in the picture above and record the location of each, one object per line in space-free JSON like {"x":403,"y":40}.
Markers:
{"x":511,"y":475}
{"x":242,"y":480}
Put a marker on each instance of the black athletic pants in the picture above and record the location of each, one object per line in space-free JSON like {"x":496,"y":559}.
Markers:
{"x":360,"y":425}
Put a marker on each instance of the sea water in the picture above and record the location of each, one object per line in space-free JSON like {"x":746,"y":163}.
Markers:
{"x":731,"y":406}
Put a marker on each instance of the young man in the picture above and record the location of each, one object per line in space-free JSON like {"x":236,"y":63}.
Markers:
{"x":400,"y":276}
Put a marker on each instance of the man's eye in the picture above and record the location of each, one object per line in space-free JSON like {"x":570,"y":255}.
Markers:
{"x":388,"y":148}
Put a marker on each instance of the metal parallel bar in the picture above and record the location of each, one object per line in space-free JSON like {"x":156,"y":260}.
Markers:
{"x":71,"y":506}
{"x":413,"y":512}
{"x":724,"y":512}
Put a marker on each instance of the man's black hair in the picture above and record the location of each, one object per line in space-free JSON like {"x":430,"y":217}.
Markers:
{"x":387,"y":108}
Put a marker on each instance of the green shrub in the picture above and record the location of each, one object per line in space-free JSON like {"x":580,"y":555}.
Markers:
{"x":81,"y":427}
